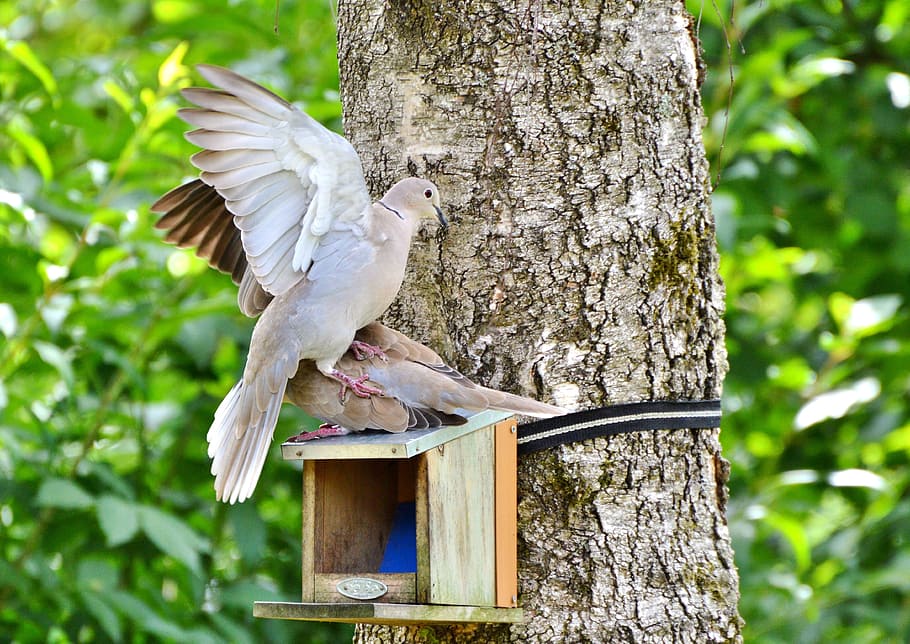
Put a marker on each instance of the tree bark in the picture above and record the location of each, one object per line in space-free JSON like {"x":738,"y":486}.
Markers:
{"x":565,"y":138}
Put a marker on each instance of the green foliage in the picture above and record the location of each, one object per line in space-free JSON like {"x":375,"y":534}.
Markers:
{"x":813,"y":219}
{"x":114,"y":347}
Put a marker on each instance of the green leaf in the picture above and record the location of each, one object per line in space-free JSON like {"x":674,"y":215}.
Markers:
{"x":144,"y":616}
{"x":118,"y":519}
{"x":8,"y":322}
{"x":107,"y":617}
{"x":249,"y":531}
{"x":172,"y":536}
{"x":168,"y":11}
{"x":871,"y":315}
{"x":57,"y":358}
{"x":96,"y":574}
{"x":231,"y":630}
{"x":27,"y":58}
{"x":244,"y":593}
{"x":124,"y":100}
{"x":840,"y":305}
{"x":20,"y":130}
{"x":795,"y":533}
{"x":172,"y":68}
{"x":63,"y":493}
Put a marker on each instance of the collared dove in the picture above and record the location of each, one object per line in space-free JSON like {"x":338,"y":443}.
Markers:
{"x":321,"y":260}
{"x":419,"y":389}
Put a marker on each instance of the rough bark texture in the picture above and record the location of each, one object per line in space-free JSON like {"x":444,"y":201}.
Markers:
{"x":565,"y":138}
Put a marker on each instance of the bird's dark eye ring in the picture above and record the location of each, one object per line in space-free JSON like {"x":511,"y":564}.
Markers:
{"x":428,"y":194}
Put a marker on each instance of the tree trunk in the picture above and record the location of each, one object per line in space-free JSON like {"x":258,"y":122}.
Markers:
{"x":581,"y":267}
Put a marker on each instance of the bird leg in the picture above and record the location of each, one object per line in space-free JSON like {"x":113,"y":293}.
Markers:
{"x":355,"y":384}
{"x":325,"y":430}
{"x":365,"y":350}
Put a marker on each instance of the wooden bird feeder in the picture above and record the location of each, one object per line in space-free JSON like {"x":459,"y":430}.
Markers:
{"x":408,"y":528}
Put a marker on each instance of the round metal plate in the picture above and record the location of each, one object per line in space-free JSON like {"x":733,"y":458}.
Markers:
{"x":361,"y":588}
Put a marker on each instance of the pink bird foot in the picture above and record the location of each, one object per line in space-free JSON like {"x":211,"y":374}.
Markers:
{"x":365,"y":350}
{"x":325,"y":430}
{"x":355,"y":384}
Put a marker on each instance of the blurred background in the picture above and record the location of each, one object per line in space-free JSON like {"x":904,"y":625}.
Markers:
{"x":115,"y":348}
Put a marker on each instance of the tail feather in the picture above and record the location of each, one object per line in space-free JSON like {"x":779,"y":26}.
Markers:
{"x":238,"y":453}
{"x":503,"y":401}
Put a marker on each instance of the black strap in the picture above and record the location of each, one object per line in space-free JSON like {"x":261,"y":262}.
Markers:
{"x":618,"y":419}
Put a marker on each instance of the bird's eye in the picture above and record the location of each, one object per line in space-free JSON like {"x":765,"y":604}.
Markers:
{"x":428,"y":194}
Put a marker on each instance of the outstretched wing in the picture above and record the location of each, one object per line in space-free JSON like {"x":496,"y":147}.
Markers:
{"x":195,"y":215}
{"x":284,"y":177}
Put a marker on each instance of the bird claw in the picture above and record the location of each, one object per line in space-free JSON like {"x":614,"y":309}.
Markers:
{"x":325,"y":430}
{"x":355,"y":385}
{"x":365,"y":350}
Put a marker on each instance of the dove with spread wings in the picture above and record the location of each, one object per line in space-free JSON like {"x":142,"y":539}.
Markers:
{"x":314,"y":256}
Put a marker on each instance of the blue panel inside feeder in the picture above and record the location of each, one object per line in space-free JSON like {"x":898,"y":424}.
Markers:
{"x":401,"y":551}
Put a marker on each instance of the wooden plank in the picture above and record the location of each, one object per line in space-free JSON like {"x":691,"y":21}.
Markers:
{"x":308,"y":532}
{"x":379,"y":613}
{"x":506,"y":513}
{"x":421,"y":520}
{"x":402,"y":587}
{"x":355,"y":507}
{"x":461,"y":516}
{"x":383,"y":445}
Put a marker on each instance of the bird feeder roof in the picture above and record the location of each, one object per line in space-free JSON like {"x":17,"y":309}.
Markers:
{"x":376,"y":445}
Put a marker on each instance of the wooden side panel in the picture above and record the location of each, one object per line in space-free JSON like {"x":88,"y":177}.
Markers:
{"x":355,"y":505}
{"x":308,"y":539}
{"x":401,"y":587}
{"x":506,"y":439}
{"x":462,"y":547}
{"x":422,"y":512}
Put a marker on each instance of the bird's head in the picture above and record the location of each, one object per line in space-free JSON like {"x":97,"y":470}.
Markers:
{"x":414,"y":199}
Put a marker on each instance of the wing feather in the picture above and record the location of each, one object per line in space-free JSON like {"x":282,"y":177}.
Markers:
{"x":227,"y":103}
{"x":220,"y":122}
{"x":221,"y":140}
{"x":236,"y":177}
{"x":286,"y":179}
{"x":224,"y":160}
{"x":250,"y":188}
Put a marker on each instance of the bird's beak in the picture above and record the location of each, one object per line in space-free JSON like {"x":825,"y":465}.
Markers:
{"x":441,"y":217}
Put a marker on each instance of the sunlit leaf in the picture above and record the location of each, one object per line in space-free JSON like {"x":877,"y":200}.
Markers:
{"x":811,"y":71}
{"x":26,"y":56}
{"x":872,"y":314}
{"x":856,"y":478}
{"x":21,"y":131}
{"x":172,"y":68}
{"x":57,"y":358}
{"x":837,"y":403}
{"x":124,"y":100}
{"x":786,"y":134}
{"x":899,"y":87}
{"x":795,"y":534}
{"x":168,"y":11}
{"x":63,"y":493}
{"x":8,"y":322}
